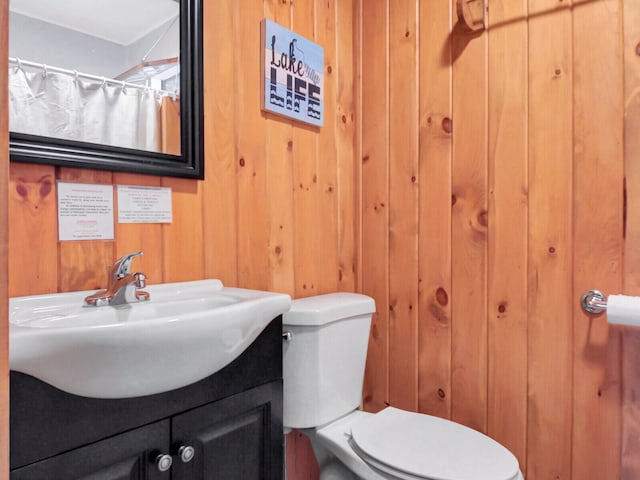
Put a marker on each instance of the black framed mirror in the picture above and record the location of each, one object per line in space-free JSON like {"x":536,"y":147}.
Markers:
{"x":163,"y":89}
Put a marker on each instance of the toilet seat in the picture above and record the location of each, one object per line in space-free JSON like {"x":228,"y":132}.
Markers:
{"x":414,"y":446}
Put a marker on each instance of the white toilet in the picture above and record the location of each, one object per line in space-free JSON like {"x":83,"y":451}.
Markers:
{"x":324,"y":362}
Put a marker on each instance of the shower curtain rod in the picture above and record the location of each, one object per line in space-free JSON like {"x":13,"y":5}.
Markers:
{"x":47,"y":68}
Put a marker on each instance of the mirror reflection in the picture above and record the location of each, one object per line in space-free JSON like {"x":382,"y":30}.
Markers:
{"x":100,"y":71}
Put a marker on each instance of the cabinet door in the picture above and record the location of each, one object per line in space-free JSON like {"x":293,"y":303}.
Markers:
{"x":129,"y":456}
{"x":238,"y":438}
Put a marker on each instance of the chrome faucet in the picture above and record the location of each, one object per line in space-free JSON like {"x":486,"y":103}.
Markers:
{"x":123,"y":285}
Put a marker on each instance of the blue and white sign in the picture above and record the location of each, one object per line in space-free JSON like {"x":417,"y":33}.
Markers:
{"x":293,"y":75}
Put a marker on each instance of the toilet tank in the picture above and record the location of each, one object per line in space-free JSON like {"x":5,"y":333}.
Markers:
{"x":323,"y":362}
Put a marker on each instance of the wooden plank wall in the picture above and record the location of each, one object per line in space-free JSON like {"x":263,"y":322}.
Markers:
{"x":517,"y":191}
{"x":473,"y":182}
{"x":550,"y":238}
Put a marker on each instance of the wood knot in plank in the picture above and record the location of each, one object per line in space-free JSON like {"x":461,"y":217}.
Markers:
{"x":483,"y":218}
{"x":374,"y":331}
{"x":442,"y":297}
{"x":447,"y":125}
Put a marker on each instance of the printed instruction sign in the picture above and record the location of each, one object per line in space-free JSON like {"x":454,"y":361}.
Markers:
{"x":140,"y":204}
{"x":292,"y":74}
{"x":85,"y":211}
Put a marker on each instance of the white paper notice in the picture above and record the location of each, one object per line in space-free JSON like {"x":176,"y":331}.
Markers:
{"x":85,"y":211}
{"x":144,"y":204}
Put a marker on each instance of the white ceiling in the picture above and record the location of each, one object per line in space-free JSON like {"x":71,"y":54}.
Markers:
{"x":119,"y":21}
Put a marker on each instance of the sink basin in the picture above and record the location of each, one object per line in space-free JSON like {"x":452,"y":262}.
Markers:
{"x":184,"y":333}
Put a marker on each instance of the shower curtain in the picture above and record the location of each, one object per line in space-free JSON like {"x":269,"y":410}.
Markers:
{"x":63,"y":106}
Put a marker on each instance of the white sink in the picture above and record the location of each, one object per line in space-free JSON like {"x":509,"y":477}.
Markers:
{"x":184,"y":333}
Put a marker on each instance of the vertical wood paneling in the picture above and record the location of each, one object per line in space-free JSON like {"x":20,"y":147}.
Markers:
{"x":220,"y":190}
{"x":182,"y":239}
{"x":84,"y":265}
{"x":4,"y":245}
{"x":251,"y":170}
{"x":507,"y":256}
{"x":305,"y":178}
{"x":513,"y":345}
{"x":327,"y":153}
{"x":348,"y":141}
{"x":630,"y":469}
{"x":403,"y":204}
{"x":375,"y":195}
{"x":469,"y":220}
{"x":279,"y":143}
{"x":550,"y":299}
{"x":598,"y":179}
{"x":33,"y":218}
{"x":434,"y":237}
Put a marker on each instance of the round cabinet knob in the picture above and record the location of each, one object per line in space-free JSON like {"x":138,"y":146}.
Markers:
{"x":186,"y":453}
{"x":164,"y":462}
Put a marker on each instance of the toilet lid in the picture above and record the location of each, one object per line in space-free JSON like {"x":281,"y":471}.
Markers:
{"x":422,"y":446}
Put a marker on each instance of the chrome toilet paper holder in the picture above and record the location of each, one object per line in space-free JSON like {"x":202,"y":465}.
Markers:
{"x":594,"y":302}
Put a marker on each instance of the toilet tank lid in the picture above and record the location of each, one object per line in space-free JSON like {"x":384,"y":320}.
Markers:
{"x":324,"y":309}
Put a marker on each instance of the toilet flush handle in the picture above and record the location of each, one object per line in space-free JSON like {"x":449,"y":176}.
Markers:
{"x":287,"y":336}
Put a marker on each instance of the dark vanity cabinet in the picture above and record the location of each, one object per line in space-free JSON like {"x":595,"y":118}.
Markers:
{"x":230,"y":438}
{"x":123,"y":457}
{"x":227,"y":426}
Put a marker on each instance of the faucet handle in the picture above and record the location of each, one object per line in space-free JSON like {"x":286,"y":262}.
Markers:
{"x":141,"y":279}
{"x":122,"y":266}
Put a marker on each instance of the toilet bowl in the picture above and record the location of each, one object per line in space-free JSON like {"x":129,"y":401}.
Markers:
{"x":323,"y":370}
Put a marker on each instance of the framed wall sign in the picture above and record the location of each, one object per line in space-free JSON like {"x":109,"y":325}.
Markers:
{"x":292,"y":75}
